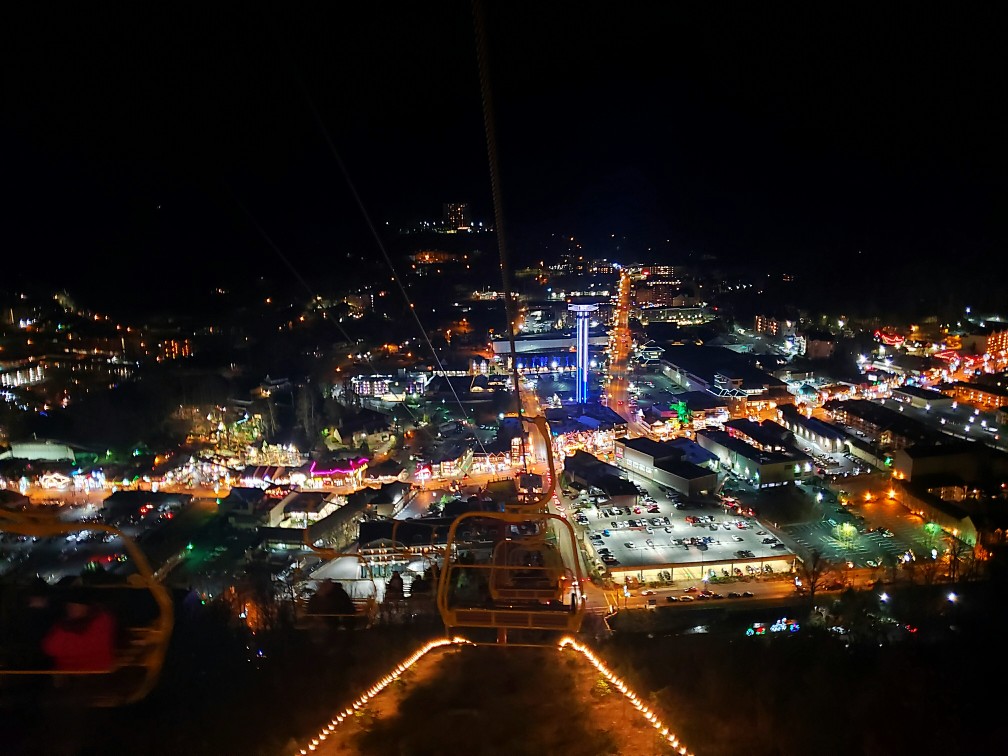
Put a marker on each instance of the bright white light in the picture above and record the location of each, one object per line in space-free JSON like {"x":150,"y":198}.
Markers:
{"x":884,"y":597}
{"x":953,"y":598}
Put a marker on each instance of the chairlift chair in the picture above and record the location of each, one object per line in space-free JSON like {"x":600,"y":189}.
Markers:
{"x":501,"y":590}
{"x":140,"y":651}
{"x":329,"y":554}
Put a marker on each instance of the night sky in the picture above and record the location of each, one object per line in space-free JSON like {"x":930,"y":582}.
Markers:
{"x":169,"y":140}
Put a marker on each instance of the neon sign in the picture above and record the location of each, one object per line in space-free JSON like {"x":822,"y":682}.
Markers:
{"x":355,"y":465}
{"x":888,"y":338}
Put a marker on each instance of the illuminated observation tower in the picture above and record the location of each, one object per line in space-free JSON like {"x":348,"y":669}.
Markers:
{"x":581,"y":314}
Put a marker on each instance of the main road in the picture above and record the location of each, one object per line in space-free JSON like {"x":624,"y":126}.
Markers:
{"x":616,"y":392}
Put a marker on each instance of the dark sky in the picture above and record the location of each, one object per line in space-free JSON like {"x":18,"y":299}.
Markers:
{"x":142,"y":140}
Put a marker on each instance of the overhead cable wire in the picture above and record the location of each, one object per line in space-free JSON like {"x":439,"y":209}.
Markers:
{"x":479,"y":23}
{"x":381,"y":246}
{"x":311,"y":293}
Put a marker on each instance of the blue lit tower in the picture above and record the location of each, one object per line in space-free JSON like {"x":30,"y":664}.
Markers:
{"x":581,"y":314}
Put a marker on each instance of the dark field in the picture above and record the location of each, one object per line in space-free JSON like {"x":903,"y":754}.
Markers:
{"x":721,"y":692}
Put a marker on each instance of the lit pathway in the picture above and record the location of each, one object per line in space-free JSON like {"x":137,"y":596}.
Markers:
{"x":331,"y":741}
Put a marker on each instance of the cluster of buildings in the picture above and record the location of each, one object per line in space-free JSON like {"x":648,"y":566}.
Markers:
{"x":711,"y":425}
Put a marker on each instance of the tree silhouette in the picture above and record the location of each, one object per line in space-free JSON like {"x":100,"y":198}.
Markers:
{"x":956,"y":553}
{"x":813,"y":571}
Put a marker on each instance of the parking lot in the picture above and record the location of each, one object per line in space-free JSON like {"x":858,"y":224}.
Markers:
{"x":885,"y":532}
{"x":656,"y":533}
{"x":695,"y":539}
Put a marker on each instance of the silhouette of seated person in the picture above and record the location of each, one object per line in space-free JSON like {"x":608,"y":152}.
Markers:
{"x":83,"y":639}
{"x":394,"y":588}
{"x":331,"y":599}
{"x":26,"y":614}
{"x":419,"y":586}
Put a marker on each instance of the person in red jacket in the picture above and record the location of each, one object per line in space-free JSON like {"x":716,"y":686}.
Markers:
{"x":83,"y":639}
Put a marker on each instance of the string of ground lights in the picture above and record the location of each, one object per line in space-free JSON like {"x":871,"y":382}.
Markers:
{"x":374,"y":690}
{"x":568,"y":642}
{"x":622,"y":687}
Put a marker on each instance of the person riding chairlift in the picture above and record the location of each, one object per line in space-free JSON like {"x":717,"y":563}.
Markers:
{"x":83,"y":638}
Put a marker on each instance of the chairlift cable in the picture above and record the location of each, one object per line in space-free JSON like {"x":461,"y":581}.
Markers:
{"x":479,"y":22}
{"x":276,"y":249}
{"x":378,"y":241}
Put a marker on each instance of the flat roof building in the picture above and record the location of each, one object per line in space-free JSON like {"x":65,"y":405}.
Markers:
{"x":664,"y":463}
{"x":820,"y":433}
{"x":923,"y":398}
{"x":763,"y":469}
